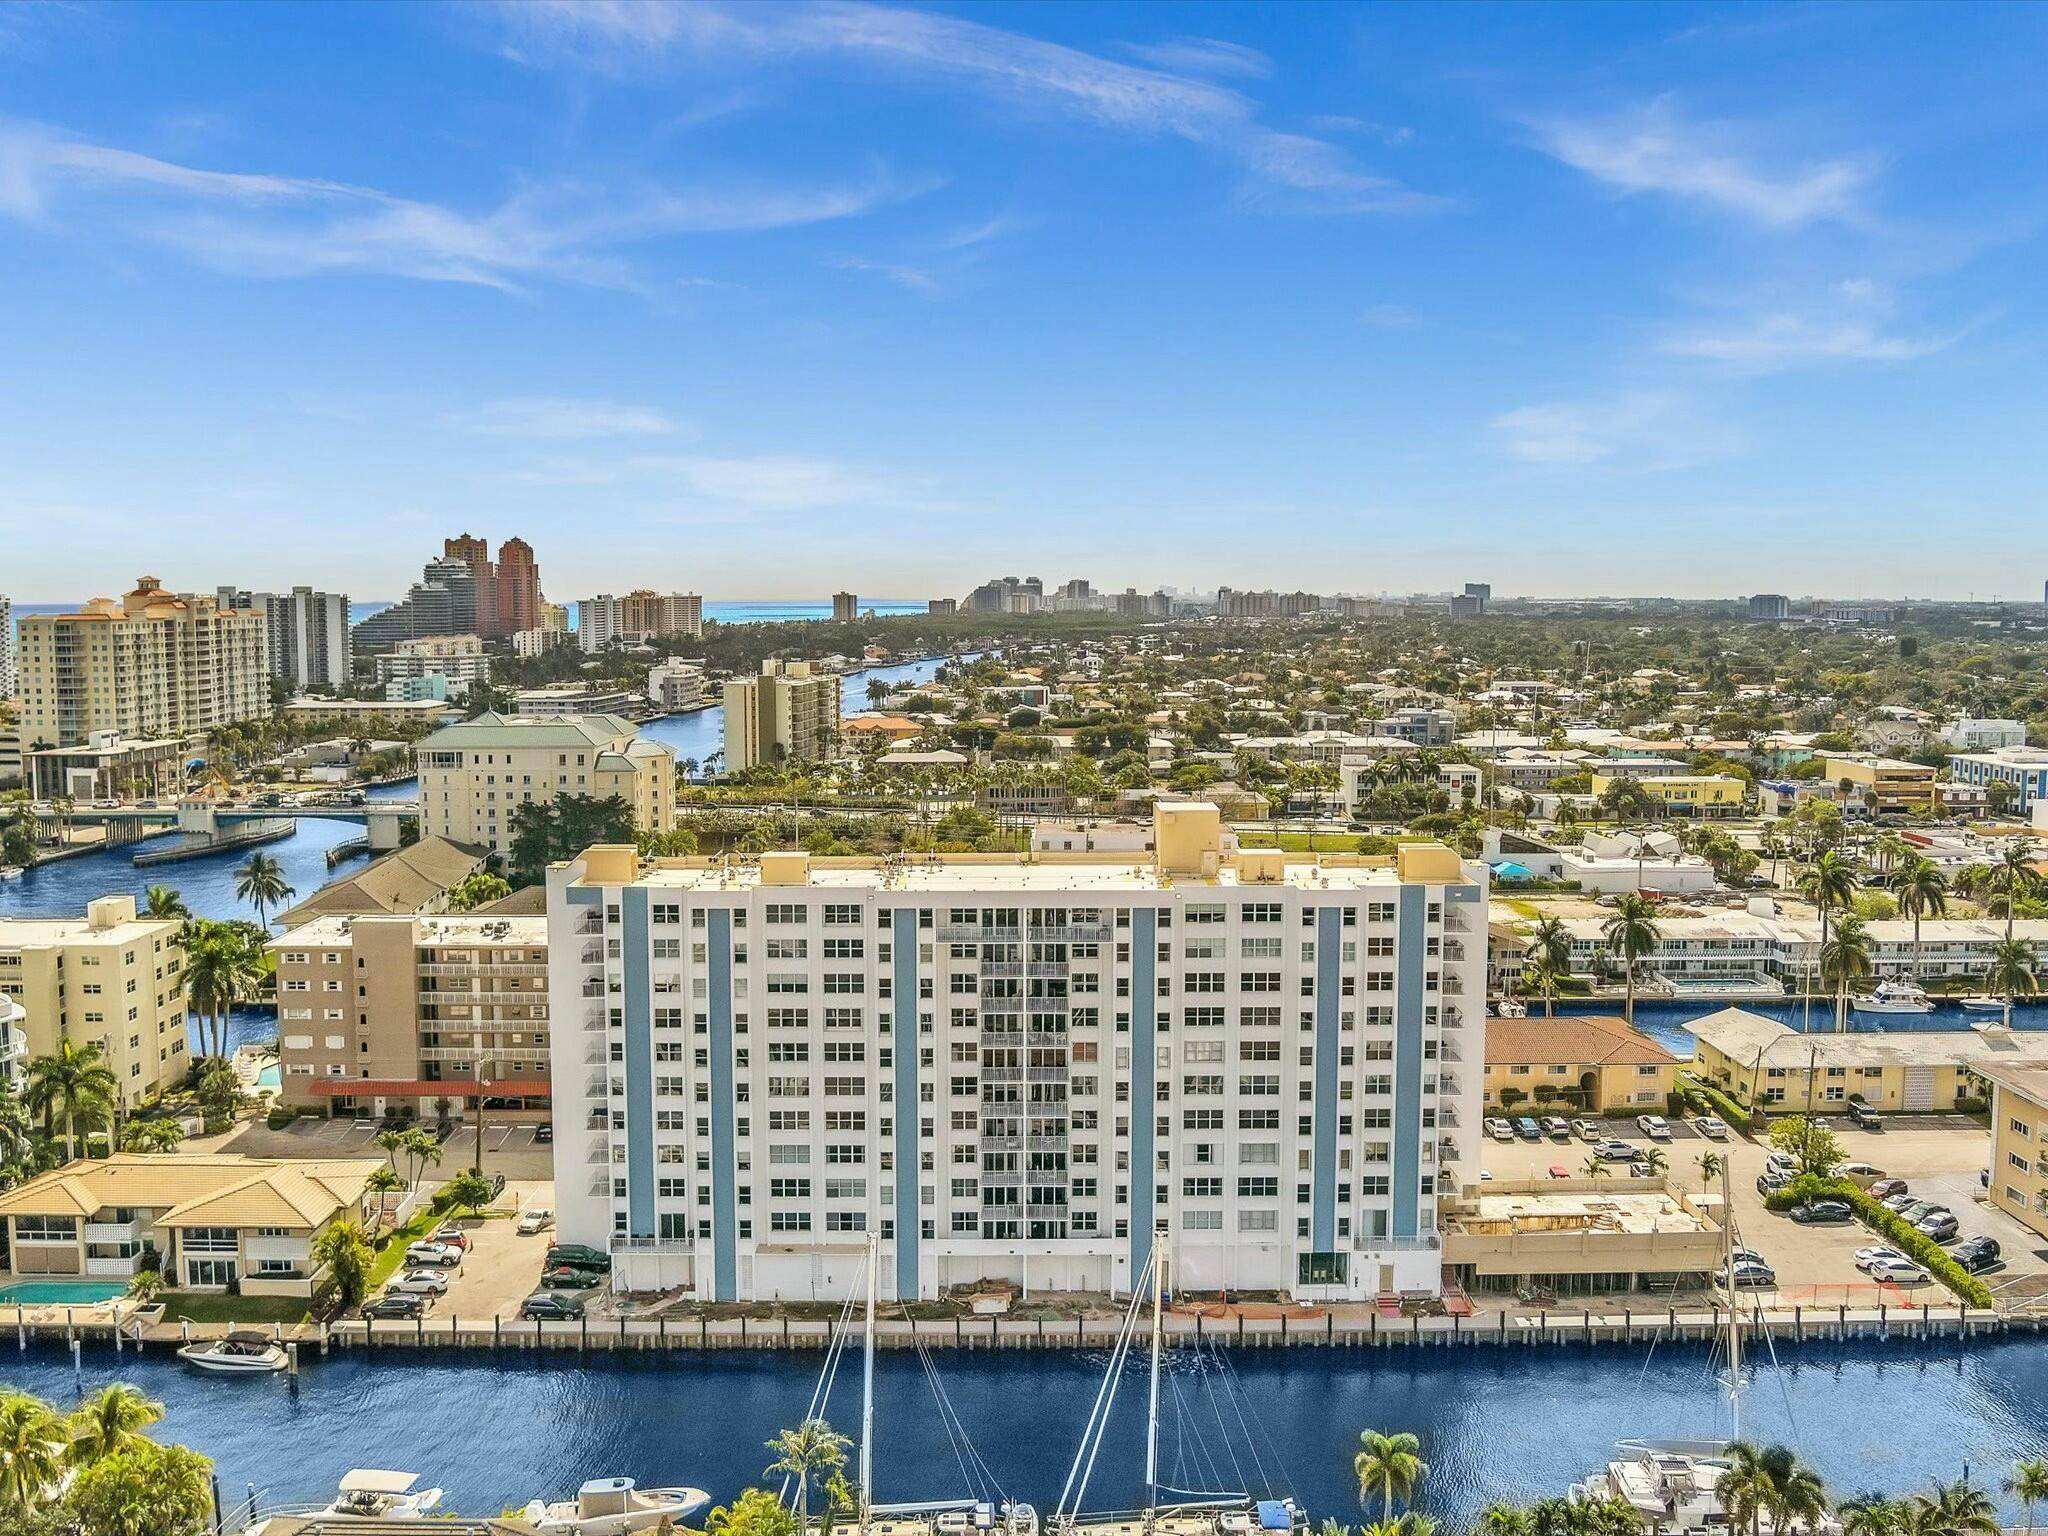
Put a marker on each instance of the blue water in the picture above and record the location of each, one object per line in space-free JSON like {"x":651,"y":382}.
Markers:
{"x":1669,"y":1022}
{"x":77,"y":1293}
{"x":694,"y":737}
{"x":1494,"y":1423}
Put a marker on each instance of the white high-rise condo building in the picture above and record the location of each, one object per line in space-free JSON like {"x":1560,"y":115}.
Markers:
{"x":787,"y":714}
{"x":1016,"y":1067}
{"x":309,"y":634}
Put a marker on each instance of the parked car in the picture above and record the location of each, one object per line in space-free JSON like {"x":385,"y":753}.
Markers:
{"x":444,"y":1254}
{"x":421,"y":1282}
{"x":1897,"y":1270}
{"x":1917,"y":1211}
{"x":1864,"y":1117}
{"x":1559,"y":1171}
{"x":1898,"y":1203}
{"x":1589,"y":1130}
{"x":1872,"y":1253}
{"x":395,"y":1304}
{"x":1781,"y":1162}
{"x":1557,"y":1128}
{"x":1528,"y":1129}
{"x":537,"y":1218}
{"x":1817,"y":1213}
{"x":1614,"y":1151}
{"x":1499,"y":1129}
{"x":1939,"y":1225}
{"x":1713,"y":1127}
{"x":1656,"y":1127}
{"x":564,"y":1278}
{"x":546,"y":1307}
{"x":1977,"y":1254}
{"x":1771,"y":1180}
{"x":544,"y":1133}
{"x":1862,"y":1175}
{"x":1755,"y":1276}
{"x":1884,"y":1189}
{"x":577,"y":1256}
{"x":453,"y":1236}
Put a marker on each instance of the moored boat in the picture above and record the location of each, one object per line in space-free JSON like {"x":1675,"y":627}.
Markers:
{"x":613,"y":1506}
{"x":1894,"y":997}
{"x":239,"y":1354}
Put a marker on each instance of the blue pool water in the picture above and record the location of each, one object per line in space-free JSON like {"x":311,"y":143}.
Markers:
{"x":76,"y":1293}
{"x":1669,"y":1022}
{"x":271,"y":1076}
{"x":1494,"y":1423}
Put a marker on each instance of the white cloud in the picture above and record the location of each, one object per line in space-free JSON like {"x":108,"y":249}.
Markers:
{"x":1203,"y":56}
{"x":899,"y":273}
{"x":1391,"y":317}
{"x":1005,"y":64}
{"x":1785,"y":340}
{"x":1642,"y":430}
{"x":280,"y":226}
{"x":553,"y":417}
{"x":1652,"y":149}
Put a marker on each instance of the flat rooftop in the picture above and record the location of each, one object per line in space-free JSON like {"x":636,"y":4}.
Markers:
{"x":1572,"y":1210}
{"x":1739,"y":1034}
{"x":441,"y":928}
{"x":1049,"y":872}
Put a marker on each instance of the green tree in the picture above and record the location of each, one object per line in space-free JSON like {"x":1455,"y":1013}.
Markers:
{"x":111,"y":1420}
{"x":1813,"y":1148}
{"x":477,"y":889}
{"x":2012,"y":877}
{"x":33,"y":1443}
{"x":2029,"y":1484}
{"x":756,"y":1512}
{"x":1870,"y":1514}
{"x":1540,"y":978}
{"x":144,"y":1489}
{"x":159,"y":1133}
{"x":381,"y":1182}
{"x":467,"y":1190}
{"x":73,"y":1083}
{"x":225,"y":965}
{"x":1710,"y":1165}
{"x":1390,"y":1466}
{"x":344,"y":1252}
{"x":1922,"y":890}
{"x":1631,"y":935}
{"x":260,"y":882}
{"x":164,"y":901}
{"x":2013,"y":972}
{"x":1953,"y":1509}
{"x":1844,"y":958}
{"x":1830,"y":882}
{"x":810,"y":1451}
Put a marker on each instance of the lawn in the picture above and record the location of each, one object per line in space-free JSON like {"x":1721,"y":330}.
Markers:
{"x":391,"y":1254}
{"x":210,"y":1307}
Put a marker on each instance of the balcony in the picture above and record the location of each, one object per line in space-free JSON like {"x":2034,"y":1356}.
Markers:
{"x":112,"y":1231}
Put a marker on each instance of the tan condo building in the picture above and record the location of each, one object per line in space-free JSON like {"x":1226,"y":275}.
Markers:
{"x":474,"y":775}
{"x":789,"y":713}
{"x":2019,"y":1143}
{"x":108,"y":977}
{"x":150,"y":666}
{"x":377,"y":1014}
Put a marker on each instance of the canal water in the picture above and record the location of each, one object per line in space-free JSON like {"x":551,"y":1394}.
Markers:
{"x":1670,"y":1022}
{"x":1495,"y":1423}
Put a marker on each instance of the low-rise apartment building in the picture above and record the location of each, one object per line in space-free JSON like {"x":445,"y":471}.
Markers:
{"x":1586,"y":1063}
{"x":473,"y":775}
{"x":573,"y":699}
{"x":1884,"y":786}
{"x":2025,"y":769}
{"x":1681,"y":794}
{"x":108,"y":977}
{"x":209,"y":1221}
{"x":460,"y":660}
{"x":2019,"y":1143}
{"x":421,"y":1013}
{"x":1910,"y":1070}
{"x":1018,"y":1066}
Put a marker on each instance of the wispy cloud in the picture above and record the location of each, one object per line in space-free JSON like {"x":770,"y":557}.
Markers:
{"x":1391,"y":317}
{"x":537,"y":416}
{"x":1309,"y":173}
{"x":1386,"y":133}
{"x":1203,"y":56}
{"x":1852,"y":322}
{"x":1641,"y":430}
{"x":899,"y":273}
{"x":263,"y":224}
{"x":980,"y":233}
{"x":1654,"y":150}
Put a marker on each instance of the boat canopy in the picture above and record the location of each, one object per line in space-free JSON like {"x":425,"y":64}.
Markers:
{"x":1275,"y":1516}
{"x":370,"y":1480}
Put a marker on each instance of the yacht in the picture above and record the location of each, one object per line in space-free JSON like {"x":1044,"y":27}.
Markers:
{"x":370,"y":1494}
{"x":1985,"y":1004}
{"x":239,"y":1354}
{"x":613,"y":1506}
{"x":1894,"y":997}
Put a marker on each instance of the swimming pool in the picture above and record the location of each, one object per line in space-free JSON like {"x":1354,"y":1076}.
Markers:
{"x":271,"y":1076}
{"x":61,"y":1293}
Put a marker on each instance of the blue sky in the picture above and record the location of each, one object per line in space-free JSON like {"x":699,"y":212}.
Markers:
{"x":763,"y":301}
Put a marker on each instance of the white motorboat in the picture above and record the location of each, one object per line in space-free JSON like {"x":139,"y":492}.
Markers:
{"x":368,"y":1493}
{"x":613,"y":1506}
{"x":1985,"y":1004}
{"x":1508,"y":1008}
{"x":1893,"y":997}
{"x":239,"y":1354}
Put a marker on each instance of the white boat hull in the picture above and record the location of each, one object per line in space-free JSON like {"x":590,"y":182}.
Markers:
{"x":1889,"y":1005}
{"x":650,"y":1507}
{"x":232,"y":1365}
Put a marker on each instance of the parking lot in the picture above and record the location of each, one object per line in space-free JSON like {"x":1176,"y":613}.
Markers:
{"x":510,"y":1149}
{"x":1939,"y":1156}
{"x":502,"y":1265}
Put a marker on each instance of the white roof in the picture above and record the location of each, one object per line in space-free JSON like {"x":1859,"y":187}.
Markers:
{"x":371,"y":1480}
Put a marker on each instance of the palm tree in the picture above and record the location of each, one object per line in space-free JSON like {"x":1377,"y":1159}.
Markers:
{"x":1845,"y":958}
{"x":74,"y":1082}
{"x":1797,"y":1494}
{"x":1595,"y":1167}
{"x":2012,"y":877}
{"x":1503,"y":1520}
{"x":1654,"y":1160}
{"x":812,"y":1449}
{"x":1549,"y":940}
{"x":1710,"y":1169}
{"x":111,"y":1420}
{"x":389,"y":1142}
{"x":261,"y":883}
{"x":1830,"y":883}
{"x":1954,"y":1509}
{"x":164,"y":901}
{"x":1869,"y":1514}
{"x":1923,"y":892}
{"x":1632,"y":934}
{"x":32,"y":1442}
{"x":381,"y":1182}
{"x":1540,"y":978}
{"x":224,"y":965}
{"x":2012,"y":969}
{"x":2028,"y":1484}
{"x":1745,"y":1488}
{"x":1389,"y":1465}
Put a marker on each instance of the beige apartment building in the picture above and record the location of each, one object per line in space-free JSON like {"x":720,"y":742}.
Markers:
{"x":109,"y":977}
{"x":473,"y":775}
{"x":2019,"y":1143}
{"x":789,"y":713}
{"x":376,"y":1014}
{"x":152,"y":665}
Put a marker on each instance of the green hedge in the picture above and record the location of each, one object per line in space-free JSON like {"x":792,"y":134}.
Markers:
{"x":1737,"y":1117}
{"x":1917,"y":1246}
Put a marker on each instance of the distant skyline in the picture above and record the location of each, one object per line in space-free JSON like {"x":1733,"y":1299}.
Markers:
{"x":776,"y":300}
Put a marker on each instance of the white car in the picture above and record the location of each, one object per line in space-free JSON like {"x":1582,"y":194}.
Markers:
{"x":1656,"y":1127}
{"x":1713,"y":1127}
{"x":445,"y":1255}
{"x":1499,"y":1129}
{"x":1614,"y":1152}
{"x":1867,"y":1256}
{"x":537,"y":1219}
{"x":421,"y":1282}
{"x":1897,"y":1270}
{"x":1589,"y":1130}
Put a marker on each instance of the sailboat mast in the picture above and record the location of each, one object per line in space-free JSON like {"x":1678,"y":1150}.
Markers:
{"x":1734,"y":1320}
{"x":1152,"y":1409}
{"x":867,"y":1390}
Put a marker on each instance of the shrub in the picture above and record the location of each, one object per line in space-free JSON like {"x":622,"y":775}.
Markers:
{"x":280,"y":1116}
{"x":1738,"y":1118}
{"x":1917,"y":1246}
{"x":1970,"y":1104}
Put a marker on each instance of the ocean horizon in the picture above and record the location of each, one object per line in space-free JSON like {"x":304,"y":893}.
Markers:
{"x":726,"y":611}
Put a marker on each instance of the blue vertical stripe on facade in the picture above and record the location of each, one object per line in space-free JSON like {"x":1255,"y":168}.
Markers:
{"x":1329,"y":952}
{"x":635,"y":950}
{"x":725,"y":1248}
{"x":903,"y":1036}
{"x":1414,"y":912}
{"x":1144,"y":1080}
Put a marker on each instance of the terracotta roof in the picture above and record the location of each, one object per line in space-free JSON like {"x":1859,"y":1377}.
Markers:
{"x":1574,"y":1040}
